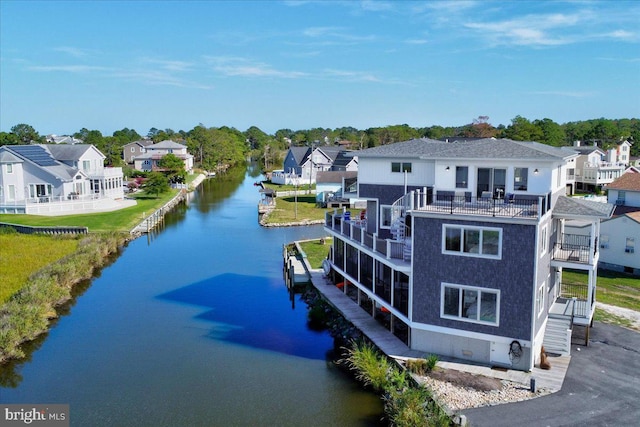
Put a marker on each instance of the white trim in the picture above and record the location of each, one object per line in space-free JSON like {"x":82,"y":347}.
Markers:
{"x":461,"y":252}
{"x":477,"y":289}
{"x":382,"y":208}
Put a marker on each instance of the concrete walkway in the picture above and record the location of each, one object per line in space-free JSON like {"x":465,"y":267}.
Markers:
{"x":392,"y":346}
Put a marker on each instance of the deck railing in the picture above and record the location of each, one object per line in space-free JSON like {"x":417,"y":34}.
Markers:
{"x":573,"y":248}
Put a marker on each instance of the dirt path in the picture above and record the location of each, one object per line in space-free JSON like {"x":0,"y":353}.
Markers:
{"x":633,"y":316}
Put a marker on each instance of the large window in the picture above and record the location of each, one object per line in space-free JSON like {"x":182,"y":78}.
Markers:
{"x":470,"y":304}
{"x":9,"y":168}
{"x":472,"y":241}
{"x":462,"y":176}
{"x":520,"y":178}
{"x":401,"y":167}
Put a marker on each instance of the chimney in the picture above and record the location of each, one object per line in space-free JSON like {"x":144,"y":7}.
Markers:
{"x":576,"y":143}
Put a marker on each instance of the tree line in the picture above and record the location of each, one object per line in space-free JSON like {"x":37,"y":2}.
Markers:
{"x":217,"y":147}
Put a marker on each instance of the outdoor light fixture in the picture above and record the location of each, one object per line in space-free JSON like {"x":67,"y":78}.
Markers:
{"x":535,"y":171}
{"x":447,"y":168}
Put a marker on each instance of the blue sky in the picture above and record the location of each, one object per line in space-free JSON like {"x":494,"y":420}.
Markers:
{"x":304,"y":64}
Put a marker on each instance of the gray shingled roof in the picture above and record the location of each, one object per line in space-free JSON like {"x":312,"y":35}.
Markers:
{"x":581,"y":207}
{"x":57,"y":169}
{"x":166,"y":144}
{"x":425,"y":148}
{"x":67,"y":152}
{"x":8,"y":157}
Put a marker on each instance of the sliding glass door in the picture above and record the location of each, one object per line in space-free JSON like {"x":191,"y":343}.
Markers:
{"x":493,"y":180}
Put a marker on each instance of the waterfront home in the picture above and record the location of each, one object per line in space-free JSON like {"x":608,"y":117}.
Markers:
{"x":302,"y":164}
{"x":595,"y":167}
{"x":148,"y":161}
{"x":48,"y":178}
{"x":133,"y":149}
{"x":463,"y":246}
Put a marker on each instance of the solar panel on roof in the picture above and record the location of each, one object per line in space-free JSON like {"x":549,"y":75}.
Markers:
{"x":36,"y":154}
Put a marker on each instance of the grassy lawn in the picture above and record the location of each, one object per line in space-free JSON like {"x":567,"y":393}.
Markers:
{"x":613,"y":288}
{"x":22,"y":254}
{"x":316,"y":251}
{"x":121,"y":220}
{"x":287,"y":210}
{"x":281,"y":187}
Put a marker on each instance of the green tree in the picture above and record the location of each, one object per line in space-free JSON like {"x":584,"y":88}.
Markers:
{"x":7,"y":138}
{"x":156,"y":184}
{"x":26,"y":134}
{"x":522,"y":129}
{"x":553,"y":134}
{"x":173,"y":168}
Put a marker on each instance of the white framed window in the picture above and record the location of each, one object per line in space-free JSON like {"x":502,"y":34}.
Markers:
{"x":543,"y":240}
{"x":385,"y":216}
{"x":540,"y":299}
{"x":133,"y":149}
{"x":11,"y":192}
{"x":86,"y":165}
{"x":630,"y":245}
{"x":483,"y":242}
{"x":9,"y":168}
{"x":470,"y":304}
{"x":604,"y":241}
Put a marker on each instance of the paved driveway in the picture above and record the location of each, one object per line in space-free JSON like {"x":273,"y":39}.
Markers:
{"x":602,"y":388}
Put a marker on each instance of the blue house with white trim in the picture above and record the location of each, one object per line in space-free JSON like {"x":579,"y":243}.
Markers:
{"x":463,"y":246}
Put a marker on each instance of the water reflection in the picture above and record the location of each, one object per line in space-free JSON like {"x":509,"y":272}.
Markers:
{"x":253,"y":311}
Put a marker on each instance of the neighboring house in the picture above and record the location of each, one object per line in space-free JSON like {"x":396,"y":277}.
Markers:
{"x":463,"y":246}
{"x":625,"y":191}
{"x":623,"y":153}
{"x":134,"y":149}
{"x":62,"y":139}
{"x":340,"y":187}
{"x":301,"y":164}
{"x":148,"y":161}
{"x":596,"y":168}
{"x":56,"y":178}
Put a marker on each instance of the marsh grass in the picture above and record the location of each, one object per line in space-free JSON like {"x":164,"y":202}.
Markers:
{"x":26,"y":314}
{"x":406,"y":403}
{"x":23,"y":254}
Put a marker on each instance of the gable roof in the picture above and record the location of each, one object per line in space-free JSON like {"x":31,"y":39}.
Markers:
{"x":343,"y":159}
{"x":627,"y":181}
{"x":40,"y":156}
{"x":8,"y":157}
{"x":141,"y":143}
{"x":571,"y":206}
{"x":588,"y":149}
{"x":332,"y":177}
{"x":488,"y":148}
{"x":300,"y":154}
{"x":166,"y":144}
{"x":70,"y":152}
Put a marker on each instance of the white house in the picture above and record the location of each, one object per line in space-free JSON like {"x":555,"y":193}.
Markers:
{"x":45,"y":179}
{"x":148,"y":161}
{"x":595,"y":168}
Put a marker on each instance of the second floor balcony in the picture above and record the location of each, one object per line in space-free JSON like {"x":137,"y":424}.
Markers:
{"x":575,"y":249}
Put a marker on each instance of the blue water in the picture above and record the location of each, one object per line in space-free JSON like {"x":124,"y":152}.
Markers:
{"x":193,"y":326}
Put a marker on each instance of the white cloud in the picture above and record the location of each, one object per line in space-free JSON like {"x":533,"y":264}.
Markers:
{"x":237,"y":66}
{"x":73,"y":51}
{"x":66,"y":68}
{"x":565,"y":94}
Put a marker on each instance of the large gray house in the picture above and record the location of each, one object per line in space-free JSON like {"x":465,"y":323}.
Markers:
{"x":462,"y":249}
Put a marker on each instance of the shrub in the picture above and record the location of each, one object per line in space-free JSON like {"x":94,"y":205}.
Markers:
{"x":369,"y":366}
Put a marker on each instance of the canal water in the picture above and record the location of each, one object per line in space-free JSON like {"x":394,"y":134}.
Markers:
{"x":193,"y":326}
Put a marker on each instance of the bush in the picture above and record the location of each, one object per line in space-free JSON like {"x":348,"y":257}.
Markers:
{"x":369,"y":366}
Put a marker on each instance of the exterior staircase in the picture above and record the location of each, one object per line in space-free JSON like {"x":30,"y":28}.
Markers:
{"x":557,"y":336}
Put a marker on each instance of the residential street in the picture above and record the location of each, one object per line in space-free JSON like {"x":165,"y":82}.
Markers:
{"x":602,"y":388}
